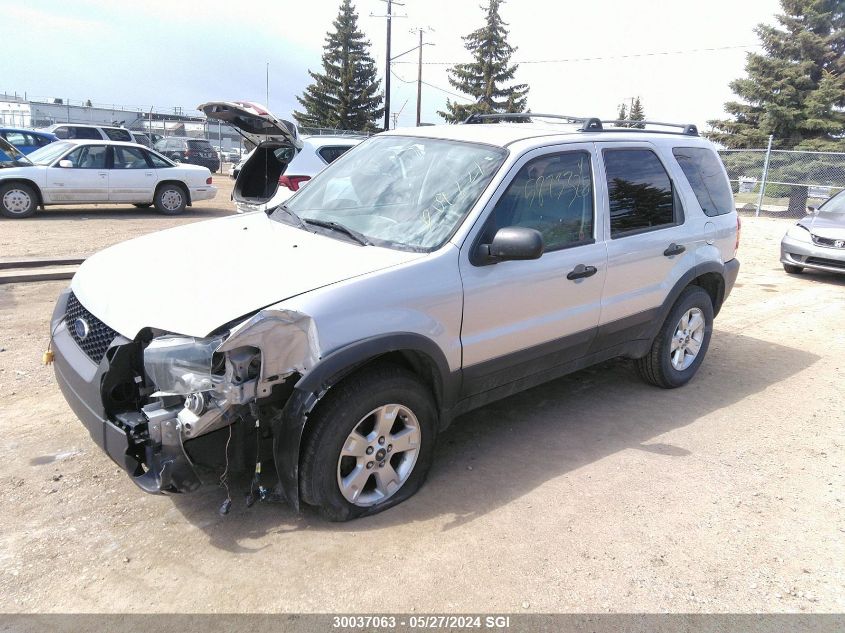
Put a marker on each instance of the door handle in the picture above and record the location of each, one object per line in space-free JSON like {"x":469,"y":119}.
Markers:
{"x":581,"y":271}
{"x":103,"y":174}
{"x":674,"y":249}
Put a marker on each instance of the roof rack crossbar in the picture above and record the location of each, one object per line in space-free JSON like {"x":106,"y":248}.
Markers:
{"x":591,"y":124}
{"x":686,"y":128}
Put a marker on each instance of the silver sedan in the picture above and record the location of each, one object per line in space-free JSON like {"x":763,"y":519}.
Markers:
{"x":818,"y":240}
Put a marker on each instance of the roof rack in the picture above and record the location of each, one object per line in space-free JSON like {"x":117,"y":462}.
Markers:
{"x":589,"y":124}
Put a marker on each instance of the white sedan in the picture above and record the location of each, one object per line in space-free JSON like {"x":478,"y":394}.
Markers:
{"x":97,"y":172}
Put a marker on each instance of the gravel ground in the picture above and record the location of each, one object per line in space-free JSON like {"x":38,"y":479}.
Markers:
{"x":592,"y":493}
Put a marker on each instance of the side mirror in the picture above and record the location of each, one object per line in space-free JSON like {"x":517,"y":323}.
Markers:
{"x":512,"y":243}
{"x":811,"y":210}
{"x":65,"y":163}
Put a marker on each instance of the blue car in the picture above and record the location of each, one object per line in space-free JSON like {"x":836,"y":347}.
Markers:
{"x":27,"y":140}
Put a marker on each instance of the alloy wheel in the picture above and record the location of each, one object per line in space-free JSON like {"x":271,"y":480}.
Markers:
{"x":687,"y":340}
{"x":379,"y":455}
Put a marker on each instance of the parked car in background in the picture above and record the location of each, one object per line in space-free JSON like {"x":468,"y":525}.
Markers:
{"x":143,"y":138}
{"x":818,"y":240}
{"x":232,"y":155}
{"x":282,"y":160}
{"x":96,"y":172}
{"x":27,"y":140}
{"x":82,"y":131}
{"x":316,"y":153}
{"x":194,"y":151}
{"x":235,"y":168}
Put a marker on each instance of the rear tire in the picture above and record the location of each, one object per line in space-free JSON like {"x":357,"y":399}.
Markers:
{"x":170,"y":199}
{"x":370,"y":444}
{"x":17,"y":200}
{"x":680,"y":346}
{"x":793,"y":270}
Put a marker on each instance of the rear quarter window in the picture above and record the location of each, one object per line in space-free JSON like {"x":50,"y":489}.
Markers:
{"x":116,"y":134}
{"x":704,"y":172}
{"x":330,"y":154}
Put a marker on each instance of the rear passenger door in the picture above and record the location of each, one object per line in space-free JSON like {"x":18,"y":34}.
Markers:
{"x":650,"y":242}
{"x":131,"y":177}
{"x":524,"y":317}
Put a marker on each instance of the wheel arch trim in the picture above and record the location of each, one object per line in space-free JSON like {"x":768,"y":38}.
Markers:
{"x":289,"y":425}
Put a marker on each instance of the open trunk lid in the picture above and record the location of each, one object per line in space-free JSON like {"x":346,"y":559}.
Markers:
{"x":253,"y":120}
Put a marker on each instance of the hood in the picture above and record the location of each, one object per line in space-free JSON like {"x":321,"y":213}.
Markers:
{"x":195,"y":278}
{"x":253,"y":120}
{"x":830,"y":226}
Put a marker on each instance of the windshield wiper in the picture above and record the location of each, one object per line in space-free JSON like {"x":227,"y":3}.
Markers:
{"x":340,"y":228}
{"x":284,"y":209}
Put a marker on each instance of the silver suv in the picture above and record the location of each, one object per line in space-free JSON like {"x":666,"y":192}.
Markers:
{"x":424,"y":273}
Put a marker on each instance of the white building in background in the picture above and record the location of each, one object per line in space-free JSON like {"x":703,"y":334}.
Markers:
{"x":14,"y":112}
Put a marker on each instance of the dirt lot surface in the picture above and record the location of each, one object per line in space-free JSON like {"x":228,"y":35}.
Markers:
{"x":592,"y":493}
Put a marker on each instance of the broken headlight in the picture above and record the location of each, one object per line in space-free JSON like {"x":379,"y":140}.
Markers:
{"x":180,"y":365}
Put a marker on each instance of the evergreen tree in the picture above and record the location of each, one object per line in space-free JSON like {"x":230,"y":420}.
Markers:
{"x":795,"y":89}
{"x":484,"y":79}
{"x":346,"y":94}
{"x":637,"y":113}
{"x":622,"y":115}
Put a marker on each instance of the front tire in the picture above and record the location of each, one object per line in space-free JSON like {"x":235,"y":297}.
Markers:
{"x":170,"y":199}
{"x":793,"y":270}
{"x":679,"y":348}
{"x":370,"y":445}
{"x":18,"y":200}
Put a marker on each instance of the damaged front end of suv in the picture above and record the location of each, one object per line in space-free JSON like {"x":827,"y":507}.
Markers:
{"x":175,"y":411}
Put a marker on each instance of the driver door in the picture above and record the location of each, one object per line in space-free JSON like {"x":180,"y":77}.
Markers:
{"x":86,"y":180}
{"x":526,"y":317}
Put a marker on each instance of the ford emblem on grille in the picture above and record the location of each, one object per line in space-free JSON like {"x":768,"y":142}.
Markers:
{"x":80,"y":327}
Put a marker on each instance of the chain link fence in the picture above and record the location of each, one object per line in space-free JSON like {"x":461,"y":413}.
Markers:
{"x":782,"y":183}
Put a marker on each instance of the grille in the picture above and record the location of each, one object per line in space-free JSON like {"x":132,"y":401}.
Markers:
{"x":826,"y":241}
{"x":99,"y":336}
{"x":833,"y":263}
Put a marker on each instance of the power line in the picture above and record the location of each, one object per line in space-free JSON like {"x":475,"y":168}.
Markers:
{"x":448,"y":92}
{"x":605,"y":58}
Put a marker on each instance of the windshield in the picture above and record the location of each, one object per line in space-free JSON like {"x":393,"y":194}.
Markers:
{"x":11,"y":156}
{"x":49,"y":153}
{"x":834,"y":206}
{"x":401,"y":192}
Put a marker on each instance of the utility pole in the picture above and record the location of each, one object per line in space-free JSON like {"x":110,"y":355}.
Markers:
{"x":389,"y":17}
{"x":267,"y":88}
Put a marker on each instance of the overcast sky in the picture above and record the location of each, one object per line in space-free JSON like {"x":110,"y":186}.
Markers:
{"x":166,"y":54}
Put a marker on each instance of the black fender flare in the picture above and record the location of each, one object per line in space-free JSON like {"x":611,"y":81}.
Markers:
{"x":686,"y":279}
{"x":289,"y":425}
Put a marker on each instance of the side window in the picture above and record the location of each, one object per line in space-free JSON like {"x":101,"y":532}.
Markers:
{"x":61,"y":132}
{"x":553,"y":194}
{"x":129,"y":158}
{"x":330,"y":154}
{"x":640,"y":190}
{"x":42,"y":141}
{"x":117,"y":134}
{"x":18,"y":139}
{"x":84,"y":133}
{"x":157,"y":161}
{"x":88,"y":157}
{"x":704,"y":172}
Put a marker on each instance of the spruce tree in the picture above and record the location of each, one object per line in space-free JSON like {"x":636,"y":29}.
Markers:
{"x":346,"y":94}
{"x":637,"y":114}
{"x":622,"y":115}
{"x":795,"y":88}
{"x":485,"y":78}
